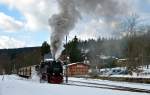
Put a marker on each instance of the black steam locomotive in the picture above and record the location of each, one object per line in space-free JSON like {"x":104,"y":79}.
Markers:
{"x":51,"y":71}
{"x":48,"y":70}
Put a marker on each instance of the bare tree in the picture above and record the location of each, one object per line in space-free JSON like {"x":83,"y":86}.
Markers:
{"x":131,"y":26}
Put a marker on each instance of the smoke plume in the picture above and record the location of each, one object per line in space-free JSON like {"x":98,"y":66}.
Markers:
{"x":61,"y":24}
{"x":70,"y":12}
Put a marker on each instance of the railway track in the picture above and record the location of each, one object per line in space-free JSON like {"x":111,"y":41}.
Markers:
{"x":106,"y":86}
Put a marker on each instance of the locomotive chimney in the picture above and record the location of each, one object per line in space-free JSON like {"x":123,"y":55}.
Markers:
{"x":54,"y":57}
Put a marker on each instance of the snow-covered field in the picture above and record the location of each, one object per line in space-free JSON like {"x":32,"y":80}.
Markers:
{"x":14,"y":85}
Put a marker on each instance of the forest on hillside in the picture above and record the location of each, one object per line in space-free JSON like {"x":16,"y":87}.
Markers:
{"x":12,"y":59}
{"x":135,"y":48}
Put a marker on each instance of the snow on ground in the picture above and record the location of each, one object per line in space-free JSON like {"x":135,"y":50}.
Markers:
{"x":132,"y":76}
{"x":14,"y":85}
{"x":124,"y":84}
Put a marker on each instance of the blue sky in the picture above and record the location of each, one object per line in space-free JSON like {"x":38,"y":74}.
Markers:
{"x":24,"y":23}
{"x":11,"y":12}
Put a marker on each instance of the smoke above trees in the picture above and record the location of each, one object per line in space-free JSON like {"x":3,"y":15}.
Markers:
{"x":72,"y":10}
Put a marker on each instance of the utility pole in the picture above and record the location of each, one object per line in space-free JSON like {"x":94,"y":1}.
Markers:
{"x":14,"y":67}
{"x":67,"y":60}
{"x":3,"y":74}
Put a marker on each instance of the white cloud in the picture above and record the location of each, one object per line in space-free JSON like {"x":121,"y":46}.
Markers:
{"x":9,"y":24}
{"x":35,"y":12}
{"x":9,"y":42}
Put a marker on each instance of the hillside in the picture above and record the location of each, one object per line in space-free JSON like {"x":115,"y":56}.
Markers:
{"x":14,"y":58}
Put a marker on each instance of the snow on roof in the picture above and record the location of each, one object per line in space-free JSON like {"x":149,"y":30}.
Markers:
{"x":122,"y":59}
{"x":77,"y":63}
{"x":48,"y":59}
{"x":104,"y":57}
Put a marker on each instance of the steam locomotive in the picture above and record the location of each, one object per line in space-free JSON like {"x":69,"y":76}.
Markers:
{"x":51,"y":71}
{"x":48,"y":70}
